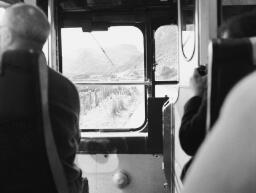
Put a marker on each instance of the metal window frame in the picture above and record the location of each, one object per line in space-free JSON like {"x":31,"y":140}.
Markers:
{"x":147,"y":84}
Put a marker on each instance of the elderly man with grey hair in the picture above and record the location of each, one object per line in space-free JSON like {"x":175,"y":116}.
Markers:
{"x":25,"y":27}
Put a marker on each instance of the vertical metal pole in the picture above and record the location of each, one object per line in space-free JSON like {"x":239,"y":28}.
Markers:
{"x":149,"y":55}
{"x":53,"y":38}
{"x":208,"y":27}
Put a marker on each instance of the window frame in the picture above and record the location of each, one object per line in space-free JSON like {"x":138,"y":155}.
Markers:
{"x":147,"y":83}
{"x":157,"y":82}
{"x":148,"y":28}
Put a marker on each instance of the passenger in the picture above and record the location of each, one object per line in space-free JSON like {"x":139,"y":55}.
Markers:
{"x":226,"y":163}
{"x":193,"y":125}
{"x":25,"y":27}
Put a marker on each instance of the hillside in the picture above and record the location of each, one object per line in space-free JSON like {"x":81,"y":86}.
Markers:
{"x":86,"y":64}
{"x":127,"y":62}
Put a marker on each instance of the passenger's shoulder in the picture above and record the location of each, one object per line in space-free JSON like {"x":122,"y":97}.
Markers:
{"x":57,"y":79}
{"x":62,"y":89}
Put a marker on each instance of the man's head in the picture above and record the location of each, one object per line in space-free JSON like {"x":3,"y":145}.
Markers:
{"x":240,"y":26}
{"x":23,"y":26}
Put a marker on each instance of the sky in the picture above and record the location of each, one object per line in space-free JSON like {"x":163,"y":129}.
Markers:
{"x":76,"y":38}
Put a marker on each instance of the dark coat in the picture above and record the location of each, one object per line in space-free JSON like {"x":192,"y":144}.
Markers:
{"x":23,"y":162}
{"x":193,"y":127}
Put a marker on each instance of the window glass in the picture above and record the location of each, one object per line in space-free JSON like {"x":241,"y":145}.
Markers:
{"x":166,"y":53}
{"x":166,"y":48}
{"x":108,"y":69}
{"x":108,"y":107}
{"x":115,"y":55}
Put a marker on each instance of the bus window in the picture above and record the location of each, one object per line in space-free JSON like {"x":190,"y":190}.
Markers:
{"x":108,"y":69}
{"x":166,"y":53}
{"x":166,"y":58}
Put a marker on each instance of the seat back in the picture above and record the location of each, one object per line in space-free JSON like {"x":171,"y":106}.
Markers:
{"x":22,"y":144}
{"x":32,"y":160}
{"x":17,"y":97}
{"x":230,"y":61}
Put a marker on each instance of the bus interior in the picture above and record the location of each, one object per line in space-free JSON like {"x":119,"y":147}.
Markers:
{"x":131,"y":61}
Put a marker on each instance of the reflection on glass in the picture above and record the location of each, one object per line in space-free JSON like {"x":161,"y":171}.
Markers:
{"x":111,"y":107}
{"x":188,"y":8}
{"x":116,"y":55}
{"x":166,"y":47}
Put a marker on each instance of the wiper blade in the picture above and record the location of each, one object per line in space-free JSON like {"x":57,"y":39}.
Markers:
{"x":103,"y":50}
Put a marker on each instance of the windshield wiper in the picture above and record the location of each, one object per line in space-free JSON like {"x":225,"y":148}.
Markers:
{"x":103,"y":50}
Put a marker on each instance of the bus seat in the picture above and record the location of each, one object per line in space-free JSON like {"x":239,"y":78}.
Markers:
{"x":16,"y":82}
{"x":19,"y":134}
{"x":26,"y":139}
{"x":230,"y":60}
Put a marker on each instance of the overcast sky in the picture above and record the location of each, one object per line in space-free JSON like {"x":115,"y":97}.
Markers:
{"x":76,"y":38}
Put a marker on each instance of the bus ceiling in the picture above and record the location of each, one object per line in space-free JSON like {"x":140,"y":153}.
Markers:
{"x":104,"y":12}
{"x":114,"y":4}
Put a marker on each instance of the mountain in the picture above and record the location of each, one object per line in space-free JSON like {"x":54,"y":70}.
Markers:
{"x":123,"y":61}
{"x":85,"y":62}
{"x":166,"y":42}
